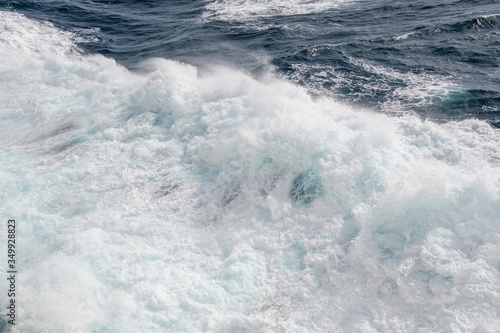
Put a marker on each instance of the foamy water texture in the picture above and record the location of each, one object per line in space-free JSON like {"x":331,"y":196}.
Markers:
{"x":416,"y":92}
{"x":169,"y":200}
{"x":251,"y":10}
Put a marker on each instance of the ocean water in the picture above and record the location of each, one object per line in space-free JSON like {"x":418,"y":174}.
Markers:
{"x":252,"y":166}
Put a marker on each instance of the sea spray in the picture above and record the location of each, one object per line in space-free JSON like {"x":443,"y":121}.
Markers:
{"x":172,"y":200}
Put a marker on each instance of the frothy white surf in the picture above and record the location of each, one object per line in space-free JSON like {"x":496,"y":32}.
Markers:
{"x":250,"y":11}
{"x":173,"y":201}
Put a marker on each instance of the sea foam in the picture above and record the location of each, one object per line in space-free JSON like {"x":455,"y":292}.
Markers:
{"x":251,"y":12}
{"x":172,"y":200}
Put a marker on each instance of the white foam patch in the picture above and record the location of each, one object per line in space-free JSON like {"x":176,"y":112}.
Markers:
{"x":416,"y":90}
{"x":250,"y":11}
{"x":174,"y":201}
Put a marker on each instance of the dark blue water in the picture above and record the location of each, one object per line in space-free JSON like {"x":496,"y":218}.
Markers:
{"x":438,"y":59}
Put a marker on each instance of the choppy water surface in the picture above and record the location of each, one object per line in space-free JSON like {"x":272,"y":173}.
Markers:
{"x":439,"y":59}
{"x":252,"y":166}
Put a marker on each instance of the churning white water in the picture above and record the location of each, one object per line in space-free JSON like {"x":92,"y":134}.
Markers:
{"x":166,"y":200}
